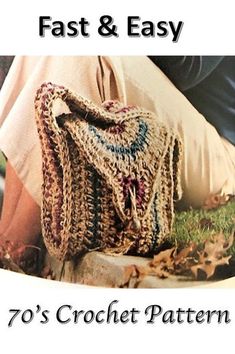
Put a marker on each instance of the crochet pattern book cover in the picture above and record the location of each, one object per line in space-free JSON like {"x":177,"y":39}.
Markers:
{"x":117,"y":177}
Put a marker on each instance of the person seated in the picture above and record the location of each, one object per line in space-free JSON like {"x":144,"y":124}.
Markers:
{"x":202,"y":114}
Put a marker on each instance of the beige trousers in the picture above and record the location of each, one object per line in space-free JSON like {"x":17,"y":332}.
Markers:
{"x":208,"y":162}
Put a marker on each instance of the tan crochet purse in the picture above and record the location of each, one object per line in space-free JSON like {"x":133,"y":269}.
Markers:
{"x":110,"y":176}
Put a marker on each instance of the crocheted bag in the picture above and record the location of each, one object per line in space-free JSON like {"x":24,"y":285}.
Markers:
{"x":110,"y":176}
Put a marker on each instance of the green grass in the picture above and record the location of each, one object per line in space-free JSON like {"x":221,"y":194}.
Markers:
{"x":2,"y":163}
{"x":198,"y":225}
{"x":195,"y":225}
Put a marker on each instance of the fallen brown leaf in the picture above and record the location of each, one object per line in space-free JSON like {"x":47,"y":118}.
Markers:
{"x":165,"y":257}
{"x":184,"y":254}
{"x":213,"y":255}
{"x":208,"y":266}
{"x":206,"y":223}
{"x":215,"y":201}
{"x":188,"y":261}
{"x":13,"y":256}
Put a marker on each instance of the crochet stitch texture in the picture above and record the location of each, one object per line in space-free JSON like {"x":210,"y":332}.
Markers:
{"x":111,"y":175}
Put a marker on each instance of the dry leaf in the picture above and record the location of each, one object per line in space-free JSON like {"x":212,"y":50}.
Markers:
{"x":213,"y":255}
{"x":216,"y":200}
{"x":208,"y":266}
{"x":188,"y":261}
{"x":133,"y":275}
{"x":183,"y":255}
{"x":165,"y":257}
{"x":218,"y":245}
{"x":10,"y":265}
{"x":206,"y":223}
{"x":13,"y":256}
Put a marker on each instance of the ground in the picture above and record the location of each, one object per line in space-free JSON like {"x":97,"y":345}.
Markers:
{"x":192,"y":225}
{"x":196,"y":225}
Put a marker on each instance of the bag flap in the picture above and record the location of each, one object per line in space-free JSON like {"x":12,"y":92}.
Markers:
{"x":127,"y":153}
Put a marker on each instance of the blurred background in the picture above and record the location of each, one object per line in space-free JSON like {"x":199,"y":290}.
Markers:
{"x":5,"y":63}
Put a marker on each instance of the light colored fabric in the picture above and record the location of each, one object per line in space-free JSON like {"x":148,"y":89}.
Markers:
{"x":208,"y":164}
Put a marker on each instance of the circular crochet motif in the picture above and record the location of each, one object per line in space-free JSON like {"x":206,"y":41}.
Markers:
{"x":137,"y":145}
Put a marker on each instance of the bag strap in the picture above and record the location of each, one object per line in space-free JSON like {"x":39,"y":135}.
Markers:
{"x":48,"y":93}
{"x":149,"y":164}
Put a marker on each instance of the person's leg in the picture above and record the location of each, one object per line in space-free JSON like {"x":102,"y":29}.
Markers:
{"x":207,"y":163}
{"x":20,"y":220}
{"x":21,"y":210}
{"x":136,"y":80}
{"x":12,"y":191}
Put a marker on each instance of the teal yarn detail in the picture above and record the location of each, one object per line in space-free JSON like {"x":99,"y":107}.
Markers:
{"x":137,"y":145}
